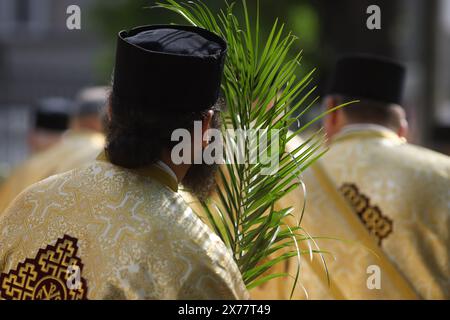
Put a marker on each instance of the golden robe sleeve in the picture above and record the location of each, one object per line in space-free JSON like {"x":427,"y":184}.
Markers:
{"x":400,"y":194}
{"x":104,"y":232}
{"x":74,"y":150}
{"x":383,"y":205}
{"x":348,"y":249}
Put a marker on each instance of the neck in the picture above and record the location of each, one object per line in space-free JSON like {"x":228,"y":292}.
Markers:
{"x":365,"y":126}
{"x":88,"y":123}
{"x":179,"y":170}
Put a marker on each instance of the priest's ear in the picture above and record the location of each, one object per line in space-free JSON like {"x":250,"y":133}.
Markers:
{"x":206,"y":125}
{"x":402,"y":126}
{"x":108,"y":112}
{"x":334,"y":121}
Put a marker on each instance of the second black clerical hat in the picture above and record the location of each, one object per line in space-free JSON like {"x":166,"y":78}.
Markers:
{"x":53,"y":114}
{"x":369,"y":77}
{"x":166,"y":67}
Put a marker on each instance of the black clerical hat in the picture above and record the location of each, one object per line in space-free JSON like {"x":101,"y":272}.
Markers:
{"x":166,"y":67}
{"x":53,"y":114}
{"x":369,"y":77}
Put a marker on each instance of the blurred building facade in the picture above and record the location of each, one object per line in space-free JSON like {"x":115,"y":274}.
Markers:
{"x":39,"y":57}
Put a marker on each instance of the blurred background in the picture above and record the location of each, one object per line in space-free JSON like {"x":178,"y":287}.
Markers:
{"x":40,"y":57}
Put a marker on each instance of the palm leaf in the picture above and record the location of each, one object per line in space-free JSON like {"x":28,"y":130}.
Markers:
{"x":262,"y":91}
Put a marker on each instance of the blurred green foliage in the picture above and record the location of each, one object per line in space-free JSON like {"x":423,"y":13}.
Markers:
{"x":109,"y":17}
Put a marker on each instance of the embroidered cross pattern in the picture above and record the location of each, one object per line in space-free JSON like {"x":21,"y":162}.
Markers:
{"x":371,"y":216}
{"x":46,"y":277}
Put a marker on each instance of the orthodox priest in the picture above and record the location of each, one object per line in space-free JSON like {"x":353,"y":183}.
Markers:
{"x":117,"y":228}
{"x":79,"y":143}
{"x":50,"y":121}
{"x":51,"y":117}
{"x":385,"y":200}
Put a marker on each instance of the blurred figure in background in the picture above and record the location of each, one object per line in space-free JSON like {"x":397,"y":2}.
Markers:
{"x":51,"y":119}
{"x":393,"y":200}
{"x":80,"y":144}
{"x":90,"y":103}
{"x":85,"y":139}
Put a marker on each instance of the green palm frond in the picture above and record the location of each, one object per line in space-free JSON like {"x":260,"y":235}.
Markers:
{"x":262,"y":91}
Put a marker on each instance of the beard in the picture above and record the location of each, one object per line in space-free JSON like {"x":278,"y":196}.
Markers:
{"x":200,"y":180}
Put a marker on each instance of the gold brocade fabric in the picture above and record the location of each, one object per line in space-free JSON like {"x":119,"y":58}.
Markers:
{"x":75,"y":149}
{"x":411,"y":187}
{"x":387,"y":204}
{"x":105,"y":232}
{"x":391,"y":211}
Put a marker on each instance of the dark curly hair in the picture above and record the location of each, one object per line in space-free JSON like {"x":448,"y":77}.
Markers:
{"x":136,"y":136}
